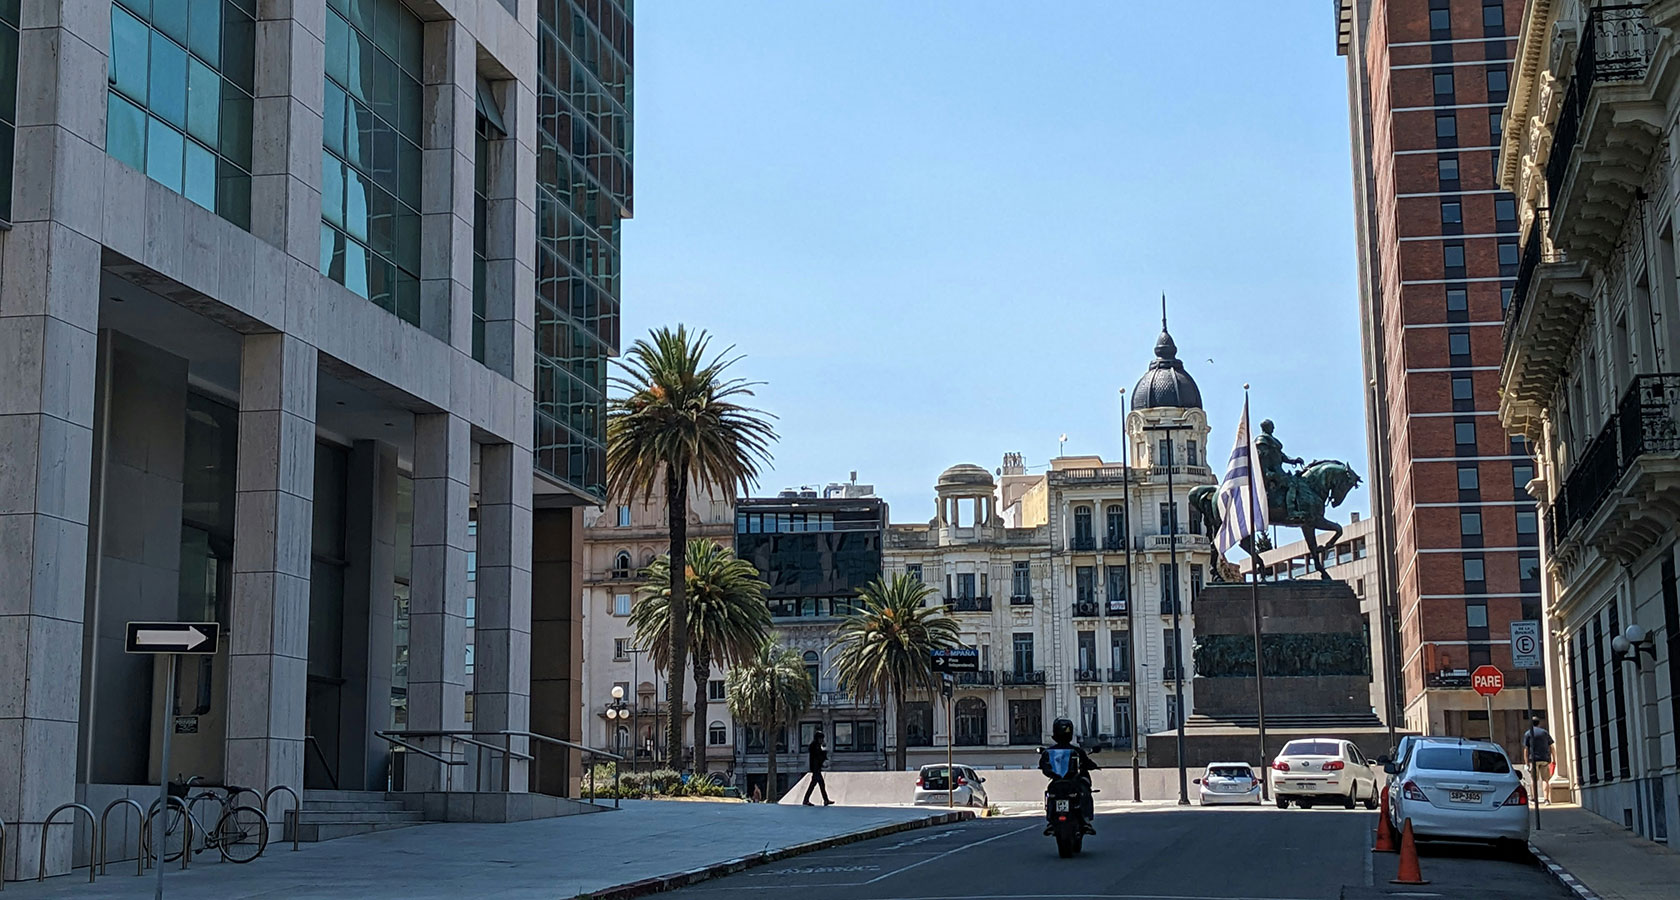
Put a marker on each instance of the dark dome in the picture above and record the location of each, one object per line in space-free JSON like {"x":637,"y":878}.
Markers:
{"x":1166,"y":384}
{"x":964,"y":475}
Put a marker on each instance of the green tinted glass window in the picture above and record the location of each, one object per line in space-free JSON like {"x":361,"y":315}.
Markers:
{"x":179,"y":109}
{"x":370,"y":204}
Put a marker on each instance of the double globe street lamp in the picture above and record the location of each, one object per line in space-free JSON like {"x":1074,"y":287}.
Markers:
{"x":618,"y":715}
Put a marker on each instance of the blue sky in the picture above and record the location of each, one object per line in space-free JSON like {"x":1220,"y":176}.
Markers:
{"x":940,"y":230}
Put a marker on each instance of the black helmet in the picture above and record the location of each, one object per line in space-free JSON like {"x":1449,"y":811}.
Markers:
{"x":1061,"y":731}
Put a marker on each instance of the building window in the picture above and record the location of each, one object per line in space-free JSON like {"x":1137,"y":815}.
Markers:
{"x":624,"y":517}
{"x":1115,"y":577}
{"x":621,"y":565}
{"x":1496,"y":125}
{"x":914,"y":571}
{"x":1195,"y":581}
{"x":1468,"y":480}
{"x":179,"y":107}
{"x":1498,"y":81}
{"x":621,"y":648}
{"x":1528,"y":522}
{"x":1440,"y":20}
{"x":1172,"y":711}
{"x":1475,"y":570}
{"x":621,"y":604}
{"x":1082,"y":528}
{"x":1464,"y":433}
{"x":1190,"y":453}
{"x":1026,"y":721}
{"x":1462,"y":386}
{"x":715,"y":691}
{"x":1528,"y":568}
{"x":1458,"y":300}
{"x":488,"y":131}
{"x":1521,"y":474}
{"x":1443,"y":84}
{"x":1452,"y":213}
{"x":469,"y":659}
{"x":971,"y":722}
{"x":1458,"y":344}
{"x":1493,"y":15}
{"x":1169,"y":588}
{"x":1505,"y":210}
{"x":716,"y":734}
{"x":1505,"y":297}
{"x":1452,"y":256}
{"x":1122,"y":722}
{"x":1475,"y":615}
{"x":1447,"y":166}
{"x":1023,"y":646}
{"x":1169,"y":518}
{"x":8,"y":101}
{"x":965,"y":585}
{"x":370,"y":178}
{"x":1115,"y":537}
{"x":1446,"y":125}
{"x":1509,"y":254}
{"x":1469,"y":524}
{"x":1021,"y":580}
{"x":1085,"y":584}
{"x":813,"y":669}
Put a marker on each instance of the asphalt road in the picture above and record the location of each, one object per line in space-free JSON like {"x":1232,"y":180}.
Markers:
{"x":1195,"y":854}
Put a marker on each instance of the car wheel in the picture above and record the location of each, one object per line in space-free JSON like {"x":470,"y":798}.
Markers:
{"x":1282,"y":803}
{"x":1351,"y":799}
{"x":1371,"y":801}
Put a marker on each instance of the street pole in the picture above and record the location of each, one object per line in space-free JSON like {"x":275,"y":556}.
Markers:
{"x":158,"y":833}
{"x":950,"y":740}
{"x":1177,"y":605}
{"x":1131,"y":632}
{"x":1533,"y":765}
{"x":635,"y":708}
{"x":1259,"y":652}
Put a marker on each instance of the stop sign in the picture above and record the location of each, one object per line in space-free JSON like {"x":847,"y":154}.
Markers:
{"x":1487,"y":680}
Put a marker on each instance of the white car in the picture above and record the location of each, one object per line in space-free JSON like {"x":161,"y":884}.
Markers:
{"x":932,"y":789}
{"x":1229,"y":782}
{"x":1459,"y":790}
{"x":1323,"y":770}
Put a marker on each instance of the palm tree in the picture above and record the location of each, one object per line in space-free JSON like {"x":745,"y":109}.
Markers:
{"x":884,"y":646}
{"x":727,"y":619}
{"x":770,"y":689}
{"x":676,"y":420}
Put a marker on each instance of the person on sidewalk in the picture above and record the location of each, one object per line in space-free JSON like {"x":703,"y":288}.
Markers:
{"x":819,"y":756}
{"x":1537,"y":750}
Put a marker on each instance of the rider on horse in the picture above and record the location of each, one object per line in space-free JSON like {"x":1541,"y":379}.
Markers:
{"x":1282,"y":488}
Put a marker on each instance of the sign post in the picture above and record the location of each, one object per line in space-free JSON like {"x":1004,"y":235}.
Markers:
{"x":947,"y":661}
{"x":172,"y":639}
{"x":1525,"y":655}
{"x":1488,"y":681}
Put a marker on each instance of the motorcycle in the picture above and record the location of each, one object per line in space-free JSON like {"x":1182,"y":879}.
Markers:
{"x":1064,"y":808}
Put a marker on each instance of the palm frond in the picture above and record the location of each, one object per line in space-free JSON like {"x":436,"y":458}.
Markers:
{"x":884,"y":646}
{"x":727,"y":616}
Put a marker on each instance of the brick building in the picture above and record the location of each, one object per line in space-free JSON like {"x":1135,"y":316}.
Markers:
{"x":1438,"y":255}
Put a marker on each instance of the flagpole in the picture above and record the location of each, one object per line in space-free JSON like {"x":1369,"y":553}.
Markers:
{"x":1254,"y":595}
{"x":1131,"y":620}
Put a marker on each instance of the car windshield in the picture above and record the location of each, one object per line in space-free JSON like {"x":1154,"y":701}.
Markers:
{"x":1463,"y":759}
{"x":1230,"y":772}
{"x":1312,"y":748}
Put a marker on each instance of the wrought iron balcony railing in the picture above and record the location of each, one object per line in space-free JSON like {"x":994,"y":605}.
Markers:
{"x":969,"y":604}
{"x":1531,"y":258}
{"x":1087,"y":676}
{"x":1021,"y":677}
{"x":1616,"y":45}
{"x":1085,"y":609}
{"x":1020,"y":600}
{"x":1115,"y":542}
{"x":1117,"y":606}
{"x":1646,"y":421}
{"x":1080,"y":542}
{"x":1119,"y":676}
{"x":985,"y":677}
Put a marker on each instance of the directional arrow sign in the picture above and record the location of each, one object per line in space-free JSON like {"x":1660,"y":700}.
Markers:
{"x":956,"y":659}
{"x":172,"y":637}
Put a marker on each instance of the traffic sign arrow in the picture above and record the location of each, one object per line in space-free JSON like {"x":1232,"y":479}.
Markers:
{"x":172,"y":637}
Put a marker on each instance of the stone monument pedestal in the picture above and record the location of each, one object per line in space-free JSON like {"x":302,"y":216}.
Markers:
{"x":1318,"y":674}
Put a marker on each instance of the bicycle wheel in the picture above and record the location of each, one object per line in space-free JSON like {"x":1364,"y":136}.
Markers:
{"x":174,"y":833}
{"x":242,"y":834}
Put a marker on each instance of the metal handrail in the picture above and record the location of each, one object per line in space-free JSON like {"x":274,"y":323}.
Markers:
{"x":93,"y":841}
{"x":105,"y":836}
{"x":449,"y":764}
{"x":296,"y":810}
{"x":332,"y":777}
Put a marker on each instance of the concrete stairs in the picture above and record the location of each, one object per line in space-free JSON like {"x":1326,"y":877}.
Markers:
{"x":327,"y":815}
{"x":1330,"y":723}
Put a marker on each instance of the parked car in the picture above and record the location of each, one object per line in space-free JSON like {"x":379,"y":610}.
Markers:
{"x":1400,"y":754}
{"x":1229,"y":782}
{"x":1457,"y":789}
{"x":933,"y":788}
{"x":1323,"y":770}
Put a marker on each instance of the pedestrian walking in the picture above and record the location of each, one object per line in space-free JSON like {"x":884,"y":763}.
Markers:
{"x":819,"y":757}
{"x":1537,"y":750}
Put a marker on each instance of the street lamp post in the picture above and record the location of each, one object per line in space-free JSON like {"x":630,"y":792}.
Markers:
{"x":618,"y":712}
{"x":1131,"y":601}
{"x":1173,"y":596}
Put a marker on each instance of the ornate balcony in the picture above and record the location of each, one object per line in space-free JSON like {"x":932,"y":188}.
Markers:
{"x":986,"y":677}
{"x":1623,"y":495}
{"x":1020,"y":599}
{"x":1081,"y":543}
{"x":969,"y":604}
{"x":1119,"y":676}
{"x":1164,"y":542}
{"x":1087,"y":676}
{"x":1085,"y":609}
{"x":1548,"y":307}
{"x":1608,"y":129}
{"x":1023,"y":677}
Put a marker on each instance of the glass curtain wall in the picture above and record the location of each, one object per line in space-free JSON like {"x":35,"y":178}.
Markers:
{"x":181,"y":78}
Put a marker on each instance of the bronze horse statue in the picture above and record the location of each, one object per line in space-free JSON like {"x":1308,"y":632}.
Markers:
{"x":1321,"y":484}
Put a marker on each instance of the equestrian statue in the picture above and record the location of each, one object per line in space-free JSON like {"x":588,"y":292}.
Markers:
{"x":1293,"y":497}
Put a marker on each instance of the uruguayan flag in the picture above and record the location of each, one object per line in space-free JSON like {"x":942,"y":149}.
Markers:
{"x":1242,"y":495}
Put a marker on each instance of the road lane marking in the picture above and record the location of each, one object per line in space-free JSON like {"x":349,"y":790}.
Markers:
{"x":995,"y":837}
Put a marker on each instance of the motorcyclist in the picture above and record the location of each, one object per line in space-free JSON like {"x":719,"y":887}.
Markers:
{"x":1063,"y":760}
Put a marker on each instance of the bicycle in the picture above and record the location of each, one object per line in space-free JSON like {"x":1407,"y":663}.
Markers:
{"x":241,"y":832}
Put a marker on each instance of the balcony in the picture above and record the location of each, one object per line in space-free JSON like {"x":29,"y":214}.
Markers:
{"x":1607,"y":131}
{"x":1085,"y":609}
{"x":969,"y":604}
{"x":1087,"y":676}
{"x":1020,"y":600}
{"x":1023,"y":677}
{"x":985,"y":677}
{"x":1114,"y":542}
{"x":1116,"y":606}
{"x":1549,"y":305}
{"x":1171,"y":674}
{"x":1102,"y":475}
{"x":1119,"y":676}
{"x":1164,"y":542}
{"x":1623,"y":495}
{"x":1081,"y":543}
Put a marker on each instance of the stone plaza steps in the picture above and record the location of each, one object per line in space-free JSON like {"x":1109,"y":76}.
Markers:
{"x":327,"y":815}
{"x":1330,"y":723}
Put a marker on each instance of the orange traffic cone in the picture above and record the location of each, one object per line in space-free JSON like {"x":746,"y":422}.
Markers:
{"x":1409,"y":872}
{"x":1385,"y":831}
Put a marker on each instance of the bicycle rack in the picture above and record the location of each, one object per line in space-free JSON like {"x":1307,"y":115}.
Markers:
{"x":93,"y":842}
{"x":105,"y":835}
{"x":296,"y":810}
{"x":233,"y":796}
{"x":186,"y":837}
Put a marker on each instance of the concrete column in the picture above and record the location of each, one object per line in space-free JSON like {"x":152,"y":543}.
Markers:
{"x":557,"y":643}
{"x":369,"y":608}
{"x":286,"y":127}
{"x":510,"y":276}
{"x":437,"y":643}
{"x":49,"y":310}
{"x":502,"y":635}
{"x":446,"y":191}
{"x":268,"y":650}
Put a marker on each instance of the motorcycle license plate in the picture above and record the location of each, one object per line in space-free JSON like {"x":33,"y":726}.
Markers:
{"x":1465,"y":796}
{"x":1062,"y":806}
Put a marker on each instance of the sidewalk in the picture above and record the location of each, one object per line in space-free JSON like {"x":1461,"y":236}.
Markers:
{"x":627,"y":852}
{"x":1602,"y":858}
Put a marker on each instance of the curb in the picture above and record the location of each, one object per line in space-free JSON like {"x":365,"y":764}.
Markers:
{"x":661,"y":883}
{"x":1563,"y":876}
